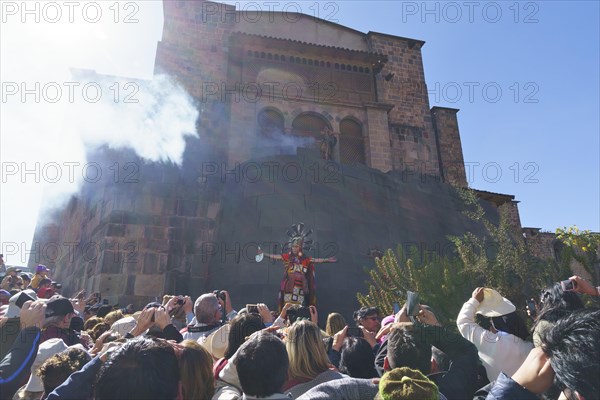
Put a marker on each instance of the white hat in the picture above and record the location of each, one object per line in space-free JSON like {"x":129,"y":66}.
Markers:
{"x":46,"y":350}
{"x":494,"y":305}
{"x":217,"y":342}
{"x":124,"y":325}
{"x":13,"y":311}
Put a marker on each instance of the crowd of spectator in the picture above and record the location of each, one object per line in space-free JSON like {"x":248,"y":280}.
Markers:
{"x":79,"y":348}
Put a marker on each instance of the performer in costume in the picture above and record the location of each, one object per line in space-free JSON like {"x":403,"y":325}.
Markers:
{"x":298,"y":283}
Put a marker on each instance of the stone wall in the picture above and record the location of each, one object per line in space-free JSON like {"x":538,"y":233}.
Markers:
{"x":412,"y":137}
{"x":452,"y":165}
{"x":540,"y":244}
{"x":351,"y":209}
{"x":512,"y":212}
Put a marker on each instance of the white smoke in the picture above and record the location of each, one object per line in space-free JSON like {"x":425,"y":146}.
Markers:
{"x":281,"y":143}
{"x":55,"y":109}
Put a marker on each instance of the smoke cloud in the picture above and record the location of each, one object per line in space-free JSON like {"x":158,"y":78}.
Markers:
{"x":55,"y":109}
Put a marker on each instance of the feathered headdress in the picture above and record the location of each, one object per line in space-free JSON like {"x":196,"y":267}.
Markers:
{"x":297,"y":235}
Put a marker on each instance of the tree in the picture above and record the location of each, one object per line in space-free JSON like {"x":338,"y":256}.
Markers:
{"x":583,"y":246}
{"x":440,"y":282}
{"x":499,"y":259}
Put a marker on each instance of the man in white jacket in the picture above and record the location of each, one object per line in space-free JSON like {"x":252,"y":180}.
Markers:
{"x":499,"y":350}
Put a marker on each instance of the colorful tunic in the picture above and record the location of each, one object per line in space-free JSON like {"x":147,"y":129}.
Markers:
{"x":298,"y":283}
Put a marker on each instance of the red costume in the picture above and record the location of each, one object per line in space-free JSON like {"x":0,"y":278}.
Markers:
{"x":298,"y":283}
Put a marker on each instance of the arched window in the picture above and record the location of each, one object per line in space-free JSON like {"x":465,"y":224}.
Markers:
{"x":352,"y":145}
{"x":309,"y":124}
{"x":270,"y":121}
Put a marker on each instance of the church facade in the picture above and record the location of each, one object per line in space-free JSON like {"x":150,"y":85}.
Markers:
{"x":301,"y":120}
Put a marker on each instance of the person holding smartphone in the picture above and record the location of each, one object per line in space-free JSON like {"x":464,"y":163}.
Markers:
{"x":580,"y":285}
{"x":556,"y":304}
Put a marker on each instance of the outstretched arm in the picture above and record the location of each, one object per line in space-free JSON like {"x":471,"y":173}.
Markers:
{"x":324,"y":260}
{"x":273,"y":256}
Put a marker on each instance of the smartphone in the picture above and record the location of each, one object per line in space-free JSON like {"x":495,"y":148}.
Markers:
{"x":532,"y":308}
{"x":568,"y":285}
{"x":252,"y":308}
{"x":23,"y":297}
{"x":295,"y":313}
{"x":354,"y":331}
{"x":412,"y":304}
{"x":396,"y":308}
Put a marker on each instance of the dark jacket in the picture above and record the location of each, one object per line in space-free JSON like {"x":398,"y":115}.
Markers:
{"x":460,"y":380}
{"x":16,"y":365}
{"x":507,"y":389}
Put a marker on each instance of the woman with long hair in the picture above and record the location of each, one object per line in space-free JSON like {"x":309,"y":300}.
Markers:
{"x":309,"y":364}
{"x":335,"y":323}
{"x":195,"y":366}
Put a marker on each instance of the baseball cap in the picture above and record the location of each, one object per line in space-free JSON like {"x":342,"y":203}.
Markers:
{"x":59,"y":306}
{"x":41,"y":268}
{"x":13,"y":311}
{"x":13,"y":269}
{"x":494,"y":305}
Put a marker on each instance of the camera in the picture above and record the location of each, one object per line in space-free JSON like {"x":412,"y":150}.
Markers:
{"x":568,"y":285}
{"x":220,"y":294}
{"x":252,"y":308}
{"x":298,"y":312}
{"x":354,"y":331}
{"x":180,"y":300}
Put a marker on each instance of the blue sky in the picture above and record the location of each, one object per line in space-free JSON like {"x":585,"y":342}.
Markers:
{"x":542,"y":134}
{"x":552,"y":143}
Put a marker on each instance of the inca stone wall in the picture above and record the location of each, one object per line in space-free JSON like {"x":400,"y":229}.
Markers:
{"x":452,"y":163}
{"x":352,"y":211}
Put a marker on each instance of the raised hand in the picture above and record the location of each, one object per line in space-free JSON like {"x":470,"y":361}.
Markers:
{"x":33,"y":313}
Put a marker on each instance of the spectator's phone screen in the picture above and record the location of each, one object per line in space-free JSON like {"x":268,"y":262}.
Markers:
{"x":354,"y":331}
{"x":568,"y":285}
{"x":23,"y":298}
